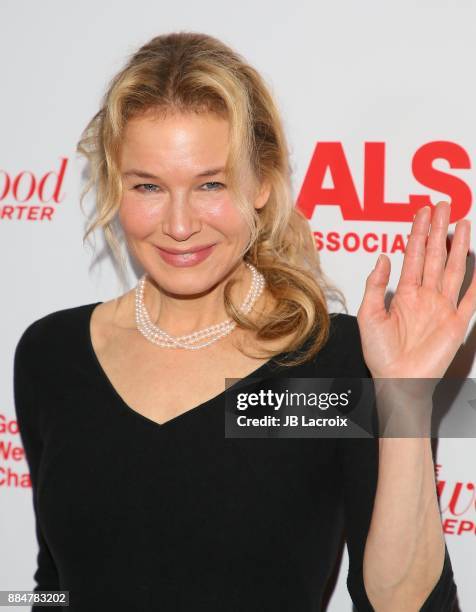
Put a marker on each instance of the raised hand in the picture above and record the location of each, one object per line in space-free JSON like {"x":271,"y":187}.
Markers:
{"x":424,"y":327}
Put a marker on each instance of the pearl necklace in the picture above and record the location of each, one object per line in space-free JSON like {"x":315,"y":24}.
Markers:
{"x":158,"y":336}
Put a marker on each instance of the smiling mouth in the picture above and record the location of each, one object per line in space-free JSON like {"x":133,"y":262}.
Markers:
{"x":186,"y":258}
{"x":191,"y":252}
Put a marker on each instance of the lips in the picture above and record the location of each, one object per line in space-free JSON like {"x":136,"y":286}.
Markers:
{"x":182,"y":252}
{"x":184,"y":259}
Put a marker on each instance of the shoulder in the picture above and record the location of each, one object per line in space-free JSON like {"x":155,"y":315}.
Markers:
{"x":47,"y":335}
{"x":341,"y":322}
{"x":344,"y":345}
{"x":55,"y":323}
{"x":343,"y":329}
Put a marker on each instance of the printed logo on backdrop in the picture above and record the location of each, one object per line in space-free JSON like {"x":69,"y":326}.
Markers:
{"x":457,"y":504}
{"x":13,"y":469}
{"x":329,"y":165}
{"x":27,"y":195}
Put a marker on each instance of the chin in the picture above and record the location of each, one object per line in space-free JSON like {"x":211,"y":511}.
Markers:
{"x":186,"y":281}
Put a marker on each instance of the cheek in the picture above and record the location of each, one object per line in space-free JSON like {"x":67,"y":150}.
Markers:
{"x":138,"y":217}
{"x":224,"y":214}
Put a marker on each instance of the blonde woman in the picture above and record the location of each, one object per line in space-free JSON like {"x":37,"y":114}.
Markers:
{"x":141,"y":502}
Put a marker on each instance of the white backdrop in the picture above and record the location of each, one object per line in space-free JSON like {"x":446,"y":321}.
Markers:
{"x":398,"y":73}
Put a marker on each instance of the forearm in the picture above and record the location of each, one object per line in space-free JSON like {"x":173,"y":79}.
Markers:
{"x":405,"y":547}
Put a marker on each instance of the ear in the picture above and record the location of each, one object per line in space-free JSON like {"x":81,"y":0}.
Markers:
{"x":263,"y":194}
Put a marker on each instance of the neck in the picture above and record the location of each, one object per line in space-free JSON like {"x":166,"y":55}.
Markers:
{"x":179,"y":315}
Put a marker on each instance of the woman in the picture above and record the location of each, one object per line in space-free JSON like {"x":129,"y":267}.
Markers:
{"x":141,"y":502}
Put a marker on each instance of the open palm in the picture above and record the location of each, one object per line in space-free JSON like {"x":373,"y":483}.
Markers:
{"x":424,"y":327}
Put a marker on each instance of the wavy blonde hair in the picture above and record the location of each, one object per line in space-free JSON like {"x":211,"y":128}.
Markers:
{"x":195,"y":72}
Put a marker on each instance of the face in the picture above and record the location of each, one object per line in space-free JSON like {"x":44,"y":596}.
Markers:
{"x":175,"y":198}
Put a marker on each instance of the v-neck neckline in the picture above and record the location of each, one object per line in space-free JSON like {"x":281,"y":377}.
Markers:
{"x":264,"y":367}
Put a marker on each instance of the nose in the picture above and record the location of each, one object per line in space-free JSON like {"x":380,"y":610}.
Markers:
{"x":181,"y":220}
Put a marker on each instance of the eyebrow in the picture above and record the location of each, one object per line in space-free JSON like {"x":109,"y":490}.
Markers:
{"x":148,"y":175}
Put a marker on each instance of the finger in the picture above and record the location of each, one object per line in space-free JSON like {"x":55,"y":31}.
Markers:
{"x":467,"y":306}
{"x":375,"y":286}
{"x":435,"y":256}
{"x":456,"y":265}
{"x":414,"y":258}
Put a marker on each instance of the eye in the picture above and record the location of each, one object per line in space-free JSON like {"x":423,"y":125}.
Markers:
{"x":150,"y":188}
{"x":145,"y":187}
{"x":216,"y":183}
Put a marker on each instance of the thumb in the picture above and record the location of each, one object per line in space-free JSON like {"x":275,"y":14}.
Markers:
{"x":375,"y":286}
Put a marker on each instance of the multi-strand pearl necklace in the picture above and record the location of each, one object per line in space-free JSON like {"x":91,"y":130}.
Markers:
{"x":212,"y":333}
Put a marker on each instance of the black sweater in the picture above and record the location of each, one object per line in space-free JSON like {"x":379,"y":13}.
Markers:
{"x":133,"y":515}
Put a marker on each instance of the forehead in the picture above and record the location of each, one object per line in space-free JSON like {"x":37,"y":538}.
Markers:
{"x":175,"y":140}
